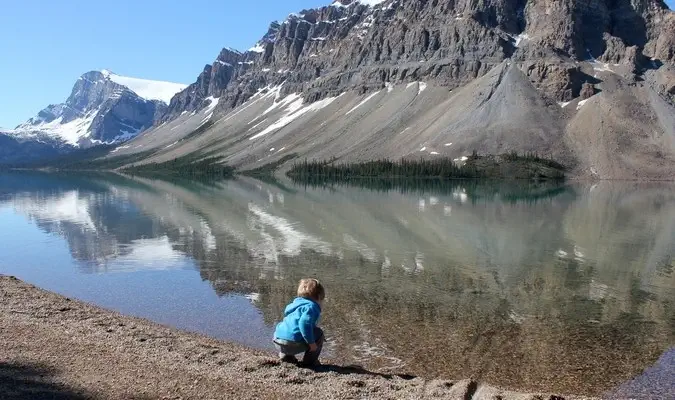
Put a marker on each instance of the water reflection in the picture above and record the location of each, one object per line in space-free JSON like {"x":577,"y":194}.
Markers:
{"x":564,"y":288}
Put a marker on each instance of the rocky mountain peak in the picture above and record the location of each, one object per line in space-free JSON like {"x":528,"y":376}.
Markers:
{"x":363,"y":33}
{"x":272,"y":33}
{"x":103,"y":107}
{"x":230,"y":55}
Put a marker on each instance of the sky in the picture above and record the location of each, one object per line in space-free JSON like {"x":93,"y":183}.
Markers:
{"x":46,"y":45}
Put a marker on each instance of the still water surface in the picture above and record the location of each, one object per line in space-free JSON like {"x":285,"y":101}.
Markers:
{"x":570,"y":289}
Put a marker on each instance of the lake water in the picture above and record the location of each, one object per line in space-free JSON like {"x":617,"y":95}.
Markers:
{"x":570,"y":289}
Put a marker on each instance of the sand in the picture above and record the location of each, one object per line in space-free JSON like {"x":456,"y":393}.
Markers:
{"x":53,"y":347}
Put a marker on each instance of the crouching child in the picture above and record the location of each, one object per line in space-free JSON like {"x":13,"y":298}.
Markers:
{"x":298,"y":333}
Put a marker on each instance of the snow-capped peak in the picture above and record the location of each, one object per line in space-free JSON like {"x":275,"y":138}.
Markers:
{"x":70,"y":132}
{"x":97,"y":111}
{"x":258,"y":48}
{"x":339,"y":3}
{"x":233,"y":50}
{"x":145,"y":88}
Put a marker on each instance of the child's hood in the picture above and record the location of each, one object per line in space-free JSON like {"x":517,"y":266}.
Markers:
{"x":301,"y":302}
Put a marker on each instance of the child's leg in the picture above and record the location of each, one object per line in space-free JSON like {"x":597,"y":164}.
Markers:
{"x":312,"y":357}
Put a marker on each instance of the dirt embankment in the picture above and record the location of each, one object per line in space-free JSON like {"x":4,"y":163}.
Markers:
{"x":52,"y":347}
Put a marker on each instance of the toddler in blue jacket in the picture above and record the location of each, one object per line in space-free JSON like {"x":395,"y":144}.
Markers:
{"x":298,"y":333}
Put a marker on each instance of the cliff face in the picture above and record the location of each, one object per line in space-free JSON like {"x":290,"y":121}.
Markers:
{"x":350,"y":45}
{"x":501,"y":75}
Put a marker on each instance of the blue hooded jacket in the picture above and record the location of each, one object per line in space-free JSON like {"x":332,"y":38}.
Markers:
{"x":300,"y":318}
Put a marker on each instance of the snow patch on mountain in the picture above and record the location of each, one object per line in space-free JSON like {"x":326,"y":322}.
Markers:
{"x":362,"y":102}
{"x":71,"y":132}
{"x":258,"y":48}
{"x":338,"y":3}
{"x":295,"y":109}
{"x":145,"y":88}
{"x":213,"y":102}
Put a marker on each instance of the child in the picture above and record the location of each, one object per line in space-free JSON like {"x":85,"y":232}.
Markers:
{"x":298,"y":332}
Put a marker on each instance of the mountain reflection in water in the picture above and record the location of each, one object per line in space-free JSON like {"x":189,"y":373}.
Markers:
{"x":564,"y":288}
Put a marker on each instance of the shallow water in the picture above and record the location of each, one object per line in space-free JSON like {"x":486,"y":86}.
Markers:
{"x":570,"y":289}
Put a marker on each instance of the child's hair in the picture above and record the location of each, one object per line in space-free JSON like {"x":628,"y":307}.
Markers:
{"x":311,"y":288}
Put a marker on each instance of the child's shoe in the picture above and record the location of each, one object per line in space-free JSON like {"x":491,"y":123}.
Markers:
{"x":286,"y":358}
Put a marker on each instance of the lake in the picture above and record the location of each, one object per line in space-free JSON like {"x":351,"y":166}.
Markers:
{"x":554,"y":288}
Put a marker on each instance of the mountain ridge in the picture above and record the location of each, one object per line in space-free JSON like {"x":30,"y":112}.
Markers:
{"x":510,"y":41}
{"x":588,"y":83}
{"x":474,"y":66}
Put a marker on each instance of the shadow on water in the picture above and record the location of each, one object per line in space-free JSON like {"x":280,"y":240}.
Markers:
{"x":32,"y":382}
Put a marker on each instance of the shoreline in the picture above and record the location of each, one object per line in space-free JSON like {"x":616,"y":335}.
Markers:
{"x":58,"y":348}
{"x":568,"y":179}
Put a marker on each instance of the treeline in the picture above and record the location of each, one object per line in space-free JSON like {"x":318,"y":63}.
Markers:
{"x":184,"y":167}
{"x":268,"y":170}
{"x":436,"y":168}
{"x":509,"y":166}
{"x":532,"y":157}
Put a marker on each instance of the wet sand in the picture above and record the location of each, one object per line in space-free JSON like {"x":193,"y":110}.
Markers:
{"x":53,"y":347}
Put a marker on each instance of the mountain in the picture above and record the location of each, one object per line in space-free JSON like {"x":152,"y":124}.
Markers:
{"x":15,"y":151}
{"x":103,"y":108}
{"x":589,"y":83}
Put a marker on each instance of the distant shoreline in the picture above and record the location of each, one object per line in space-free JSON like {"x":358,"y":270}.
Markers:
{"x":55,"y":347}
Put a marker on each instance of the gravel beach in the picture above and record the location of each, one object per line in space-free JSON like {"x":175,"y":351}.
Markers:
{"x":53,"y":347}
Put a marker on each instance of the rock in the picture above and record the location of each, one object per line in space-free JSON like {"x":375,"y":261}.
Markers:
{"x":558,"y":80}
{"x":587,"y":91}
{"x":329,"y":50}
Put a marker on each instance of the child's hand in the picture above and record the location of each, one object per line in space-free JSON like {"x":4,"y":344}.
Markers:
{"x":313,"y":347}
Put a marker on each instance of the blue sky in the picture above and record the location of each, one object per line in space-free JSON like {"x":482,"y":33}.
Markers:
{"x":47,"y":45}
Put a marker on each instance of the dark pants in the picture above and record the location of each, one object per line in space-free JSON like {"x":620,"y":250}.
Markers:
{"x":288,"y":348}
